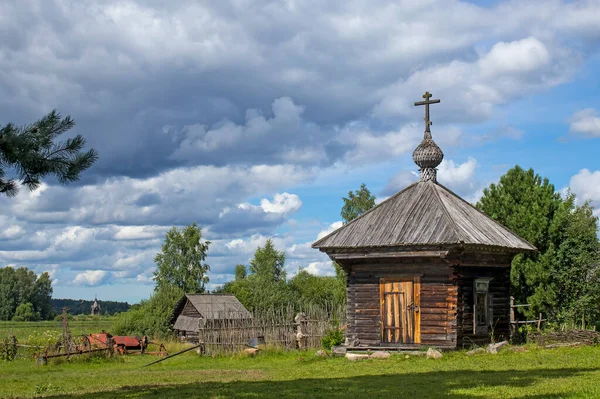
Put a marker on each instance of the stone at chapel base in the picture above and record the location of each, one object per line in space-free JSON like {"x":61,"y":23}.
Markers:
{"x":475,"y":351}
{"x":356,"y":356}
{"x":321,"y":353}
{"x":434,"y":354}
{"x":380,"y":355}
{"x":495,"y":348}
{"x":338,"y":351}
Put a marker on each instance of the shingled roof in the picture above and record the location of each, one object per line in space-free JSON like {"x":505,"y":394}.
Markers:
{"x":423,"y":214}
{"x":212,"y":307}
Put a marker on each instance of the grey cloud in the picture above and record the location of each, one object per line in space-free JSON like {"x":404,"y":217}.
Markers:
{"x":125,"y":70}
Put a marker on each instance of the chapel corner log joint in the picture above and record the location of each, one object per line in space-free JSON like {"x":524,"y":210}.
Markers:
{"x":424,"y":267}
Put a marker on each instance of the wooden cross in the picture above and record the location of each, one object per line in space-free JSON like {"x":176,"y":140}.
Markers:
{"x":426,"y":103}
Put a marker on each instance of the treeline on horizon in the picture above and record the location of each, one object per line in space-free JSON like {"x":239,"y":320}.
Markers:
{"x":82,"y":306}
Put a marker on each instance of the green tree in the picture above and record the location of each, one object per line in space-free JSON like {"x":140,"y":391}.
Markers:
{"x":565,"y":236}
{"x":26,"y":312}
{"x":240,"y":272}
{"x":575,"y":266}
{"x":318,"y":290}
{"x":525,"y":203}
{"x":268,"y":263}
{"x":265,"y":286}
{"x":357,"y":203}
{"x":20,"y":286}
{"x":180,"y":263}
{"x":42,"y":300}
{"x":33,"y":152}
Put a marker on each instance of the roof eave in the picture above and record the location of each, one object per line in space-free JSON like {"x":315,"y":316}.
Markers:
{"x":429,"y":249}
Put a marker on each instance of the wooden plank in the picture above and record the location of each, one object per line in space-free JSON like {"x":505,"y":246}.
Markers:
{"x":417,"y":295}
{"x":389,"y":321}
{"x":381,"y":304}
{"x":397,"y":311}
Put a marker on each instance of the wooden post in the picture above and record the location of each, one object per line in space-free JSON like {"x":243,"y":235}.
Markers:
{"x":539,"y":322}
{"x":301,"y":335}
{"x":583,"y":321}
{"x":512,"y":317}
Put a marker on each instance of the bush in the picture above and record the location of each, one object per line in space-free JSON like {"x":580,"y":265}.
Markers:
{"x":332,"y":337}
{"x":152,"y":317}
{"x":26,"y":312}
{"x":8,"y":349}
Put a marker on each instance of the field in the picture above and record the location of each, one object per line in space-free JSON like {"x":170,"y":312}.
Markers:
{"x":46,"y":332}
{"x":537,"y":373}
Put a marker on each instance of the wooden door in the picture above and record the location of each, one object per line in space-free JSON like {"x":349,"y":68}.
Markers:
{"x":400,"y":313}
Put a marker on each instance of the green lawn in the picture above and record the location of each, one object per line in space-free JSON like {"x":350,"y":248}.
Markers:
{"x":539,"y":373}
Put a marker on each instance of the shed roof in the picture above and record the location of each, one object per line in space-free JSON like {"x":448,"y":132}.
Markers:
{"x":186,"y":323}
{"x":424,"y":214}
{"x":214,"y":306}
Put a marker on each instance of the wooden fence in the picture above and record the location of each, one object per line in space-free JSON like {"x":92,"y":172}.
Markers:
{"x":275,"y":328}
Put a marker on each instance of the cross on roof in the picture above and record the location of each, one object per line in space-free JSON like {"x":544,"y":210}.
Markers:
{"x":426,"y":103}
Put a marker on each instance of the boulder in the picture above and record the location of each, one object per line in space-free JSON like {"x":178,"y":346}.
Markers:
{"x":380,"y":355}
{"x":495,"y":348}
{"x":356,"y":356}
{"x":251,"y":351}
{"x":321,"y":353}
{"x":339,"y":351}
{"x":433,"y":354}
{"x":475,"y":351}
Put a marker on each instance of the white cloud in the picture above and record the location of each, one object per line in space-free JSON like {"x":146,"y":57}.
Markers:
{"x":90,"y":277}
{"x":453,"y":175}
{"x":586,"y":186}
{"x":471,"y":90}
{"x":321,"y":268}
{"x":521,"y":56}
{"x":282,"y":203}
{"x":139,"y":232}
{"x":334,"y":226}
{"x":585,"y":123}
{"x":202,"y":191}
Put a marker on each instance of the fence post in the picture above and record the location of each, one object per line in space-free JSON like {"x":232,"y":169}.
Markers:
{"x":301,"y":334}
{"x":512,"y":317}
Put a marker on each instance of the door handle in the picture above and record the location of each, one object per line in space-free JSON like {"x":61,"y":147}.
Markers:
{"x":412,"y":307}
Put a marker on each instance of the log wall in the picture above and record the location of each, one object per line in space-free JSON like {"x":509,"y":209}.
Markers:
{"x":446,"y":309}
{"x":499,"y":288}
{"x":438,"y":300}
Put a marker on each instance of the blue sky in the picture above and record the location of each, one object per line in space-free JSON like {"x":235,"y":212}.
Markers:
{"x":255,"y":118}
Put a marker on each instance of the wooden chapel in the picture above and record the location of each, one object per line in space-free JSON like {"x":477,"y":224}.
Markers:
{"x":425,"y":267}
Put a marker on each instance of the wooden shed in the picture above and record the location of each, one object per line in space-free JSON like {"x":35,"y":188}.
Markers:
{"x":193,"y":311}
{"x":425,"y":267}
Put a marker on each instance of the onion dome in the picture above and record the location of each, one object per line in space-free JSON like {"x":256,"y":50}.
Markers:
{"x":428,"y":156}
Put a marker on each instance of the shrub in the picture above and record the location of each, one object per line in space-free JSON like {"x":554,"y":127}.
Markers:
{"x":152,"y":317}
{"x":26,"y":312}
{"x":332,"y":337}
{"x":8,"y":349}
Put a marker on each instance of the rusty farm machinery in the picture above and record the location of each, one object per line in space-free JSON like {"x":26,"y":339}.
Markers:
{"x":72,"y":345}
